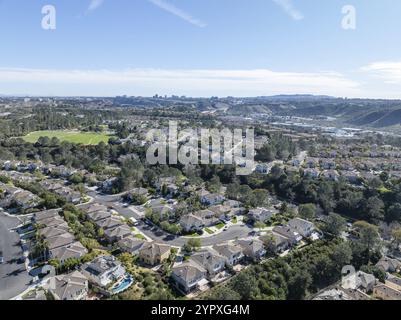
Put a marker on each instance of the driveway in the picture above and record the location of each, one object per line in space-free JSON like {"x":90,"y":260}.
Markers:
{"x":14,"y":277}
{"x":233,"y":233}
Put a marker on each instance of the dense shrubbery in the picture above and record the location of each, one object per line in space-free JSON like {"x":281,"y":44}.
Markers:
{"x":294,"y":277}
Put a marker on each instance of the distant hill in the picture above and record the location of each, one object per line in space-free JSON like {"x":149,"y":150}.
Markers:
{"x":358,"y":112}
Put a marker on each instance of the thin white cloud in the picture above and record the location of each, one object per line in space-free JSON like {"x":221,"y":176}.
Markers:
{"x":388,"y":71}
{"x":94,"y":4}
{"x":188,"y":82}
{"x":178,"y":13}
{"x":290,"y":9}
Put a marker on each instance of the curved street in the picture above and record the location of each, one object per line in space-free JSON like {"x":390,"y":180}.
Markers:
{"x":112,"y":201}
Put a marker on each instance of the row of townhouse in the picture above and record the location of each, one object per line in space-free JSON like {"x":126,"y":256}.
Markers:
{"x":18,"y":176}
{"x":102,"y":272}
{"x":30,"y":166}
{"x":365,"y":286}
{"x":17,"y":198}
{"x":113,"y":226}
{"x":289,"y":235}
{"x":391,"y":289}
{"x":211,"y":216}
{"x":205,"y":264}
{"x":61,"y":243}
{"x":59,"y":188}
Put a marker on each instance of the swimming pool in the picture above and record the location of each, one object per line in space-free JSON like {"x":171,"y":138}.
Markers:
{"x":125,"y":284}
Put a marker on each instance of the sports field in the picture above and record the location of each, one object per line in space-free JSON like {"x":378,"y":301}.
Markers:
{"x":87,"y":138}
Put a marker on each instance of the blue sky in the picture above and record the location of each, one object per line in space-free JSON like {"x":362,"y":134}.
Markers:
{"x":201,"y":48}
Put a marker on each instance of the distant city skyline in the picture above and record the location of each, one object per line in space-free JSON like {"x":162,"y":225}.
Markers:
{"x":201,"y":48}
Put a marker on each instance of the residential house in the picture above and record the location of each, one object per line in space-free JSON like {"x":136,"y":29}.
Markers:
{"x":139,"y":192}
{"x":25,"y":200}
{"x":188,"y":276}
{"x":232,"y":203}
{"x":96,"y":207}
{"x":103,"y":270}
{"x":384,"y":292}
{"x":389,"y":265}
{"x":164,"y":181}
{"x":302,"y":226}
{"x":62,"y":171}
{"x":73,"y":250}
{"x":153,"y":253}
{"x":330,"y":175}
{"x":210,"y":259}
{"x":109,"y":223}
{"x":69,"y":194}
{"x":191,"y":223}
{"x":62,"y":240}
{"x":11,"y":165}
{"x":210,"y":199}
{"x":287,"y":232}
{"x":350,"y":176}
{"x":56,"y":221}
{"x":252,"y":248}
{"x":42,"y":215}
{"x":72,"y":286}
{"x":365,"y":281}
{"x":49,"y":232}
{"x":96,"y":216}
{"x":221,"y":212}
{"x":263,"y":168}
{"x":131,"y":244}
{"x":231,"y":252}
{"x":108,"y":184}
{"x":278,"y":243}
{"x":261,"y":214}
{"x":328,"y":164}
{"x":393,"y":282}
{"x":118,"y":233}
{"x":311,"y":163}
{"x":163,"y":210}
{"x":311,"y":173}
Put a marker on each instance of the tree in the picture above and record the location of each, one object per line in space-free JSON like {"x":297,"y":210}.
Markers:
{"x":396,"y":234}
{"x":377,"y":272}
{"x":260,"y":198}
{"x":224,"y":293}
{"x":335,"y":224}
{"x":214,"y":184}
{"x":394,"y":213}
{"x":374,"y":208}
{"x":269,"y":243}
{"x":342,"y":255}
{"x":244,"y":284}
{"x":307,"y":211}
{"x":193,"y":244}
{"x":369,"y":239}
{"x":76,"y":178}
{"x":298,"y":284}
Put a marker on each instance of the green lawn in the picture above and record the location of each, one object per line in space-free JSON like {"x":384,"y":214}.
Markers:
{"x":209,"y":231}
{"x":220,"y":225}
{"x":87,"y":138}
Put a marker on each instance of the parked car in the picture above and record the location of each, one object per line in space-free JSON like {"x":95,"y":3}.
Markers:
{"x":133,"y":222}
{"x":1,"y":257}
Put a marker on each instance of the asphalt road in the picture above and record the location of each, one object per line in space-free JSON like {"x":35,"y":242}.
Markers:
{"x":233,"y":232}
{"x":14,"y":278}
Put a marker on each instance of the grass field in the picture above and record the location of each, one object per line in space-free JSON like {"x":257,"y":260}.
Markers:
{"x":88,"y":138}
